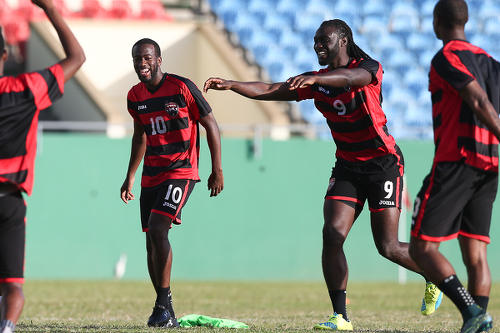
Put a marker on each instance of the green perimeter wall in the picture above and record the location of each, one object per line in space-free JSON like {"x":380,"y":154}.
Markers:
{"x":265,"y":225}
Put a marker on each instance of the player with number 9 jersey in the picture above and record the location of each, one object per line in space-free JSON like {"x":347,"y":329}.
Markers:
{"x":369,"y":165}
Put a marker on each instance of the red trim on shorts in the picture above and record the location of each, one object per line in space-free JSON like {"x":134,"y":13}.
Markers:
{"x":162,"y":213}
{"x":12,"y":280}
{"x":418,"y":220}
{"x":338,"y":197}
{"x":145,"y":229}
{"x":485,"y":239}
{"x":376,"y":210}
{"x":437,"y":239}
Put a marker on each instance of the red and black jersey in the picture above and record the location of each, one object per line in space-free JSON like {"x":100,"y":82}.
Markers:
{"x":170,"y":116}
{"x":458,"y":134}
{"x":21,"y":99}
{"x":354,"y":115}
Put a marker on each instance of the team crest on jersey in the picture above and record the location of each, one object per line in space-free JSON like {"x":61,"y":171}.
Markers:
{"x":172,"y":109}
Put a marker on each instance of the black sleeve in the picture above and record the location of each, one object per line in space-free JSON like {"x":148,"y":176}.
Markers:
{"x":203,"y":107}
{"x":456,"y":73}
{"x":372,"y":66}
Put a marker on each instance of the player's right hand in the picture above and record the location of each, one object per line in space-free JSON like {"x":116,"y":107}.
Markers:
{"x":44,"y":4}
{"x":126,"y":190}
{"x":216,"y":83}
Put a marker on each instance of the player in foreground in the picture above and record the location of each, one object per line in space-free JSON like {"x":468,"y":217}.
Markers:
{"x":22,"y":98}
{"x":166,"y":109}
{"x":369,"y":164}
{"x":457,"y":196}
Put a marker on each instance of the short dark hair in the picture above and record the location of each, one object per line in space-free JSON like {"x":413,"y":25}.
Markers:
{"x":2,"y":41}
{"x":148,"y":41}
{"x":452,"y":13}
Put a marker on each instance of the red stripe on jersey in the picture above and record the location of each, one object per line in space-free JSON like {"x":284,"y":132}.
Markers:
{"x":344,"y":106}
{"x":26,"y":94}
{"x":423,"y":204}
{"x":458,"y":134}
{"x":170,"y":119}
{"x":485,"y":239}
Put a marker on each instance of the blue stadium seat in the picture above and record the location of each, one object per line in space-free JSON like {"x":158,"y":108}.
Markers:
{"x":427,"y":8}
{"x":404,"y":24}
{"x":419,"y":42}
{"x":403,"y":8}
{"x":376,"y":8}
{"x":279,"y":20}
{"x":373,"y":26}
{"x":347,"y":6}
{"x":386,"y":44}
{"x":416,"y":80}
{"x":290,"y":6}
{"x":424,"y":59}
{"x":489,"y":9}
{"x":473,"y":25}
{"x":324,"y":7}
{"x":492,"y":27}
{"x":261,"y":6}
{"x":308,"y":21}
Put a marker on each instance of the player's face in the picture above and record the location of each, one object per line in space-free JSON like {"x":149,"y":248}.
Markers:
{"x":146,"y":63}
{"x":326,"y":45}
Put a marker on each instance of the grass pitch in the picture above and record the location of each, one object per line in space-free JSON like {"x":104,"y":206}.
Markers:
{"x":121,"y":306}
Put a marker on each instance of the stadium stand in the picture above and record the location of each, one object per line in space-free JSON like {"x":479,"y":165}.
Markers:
{"x":399,"y":34}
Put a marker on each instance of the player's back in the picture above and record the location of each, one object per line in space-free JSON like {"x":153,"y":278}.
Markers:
{"x":458,"y":133}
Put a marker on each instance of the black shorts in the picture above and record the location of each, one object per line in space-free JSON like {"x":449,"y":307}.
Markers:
{"x":455,"y":199}
{"x":12,"y":237}
{"x":167,"y":199}
{"x":380,"y":183}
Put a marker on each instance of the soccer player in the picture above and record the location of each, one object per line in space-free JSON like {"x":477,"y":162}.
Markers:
{"x":21,"y":99}
{"x":457,"y":196}
{"x":369,"y":164}
{"x":166,"y":109}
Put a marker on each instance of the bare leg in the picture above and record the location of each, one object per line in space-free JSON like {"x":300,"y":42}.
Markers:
{"x":339,"y":218}
{"x":385,"y":234}
{"x":12,"y":301}
{"x":478,"y":271}
{"x":426,"y":254}
{"x":161,"y":254}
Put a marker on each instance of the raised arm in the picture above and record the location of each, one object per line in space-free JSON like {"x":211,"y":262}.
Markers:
{"x":478,"y":101}
{"x":75,"y":56}
{"x":216,"y":179}
{"x":255,"y":90}
{"x":342,"y":77}
{"x":136,"y":154}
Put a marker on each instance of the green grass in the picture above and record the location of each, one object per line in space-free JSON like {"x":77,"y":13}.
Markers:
{"x":121,"y":306}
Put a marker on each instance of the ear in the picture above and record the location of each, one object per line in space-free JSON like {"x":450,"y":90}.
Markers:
{"x":343,"y":42}
{"x":160,"y":60}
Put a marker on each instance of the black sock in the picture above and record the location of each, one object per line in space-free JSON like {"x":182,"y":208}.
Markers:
{"x":163,"y":296}
{"x":482,"y":301}
{"x":338,"y":298}
{"x":454,"y":289}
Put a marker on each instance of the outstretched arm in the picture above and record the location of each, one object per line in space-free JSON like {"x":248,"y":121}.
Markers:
{"x":255,"y":90}
{"x":478,"y":101}
{"x":75,"y":56}
{"x":137,"y":152}
{"x":216,"y":179}
{"x":342,"y":77}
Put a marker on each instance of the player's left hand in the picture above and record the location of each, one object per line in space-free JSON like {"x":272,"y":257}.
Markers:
{"x":300,"y":81}
{"x":215,"y":183}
